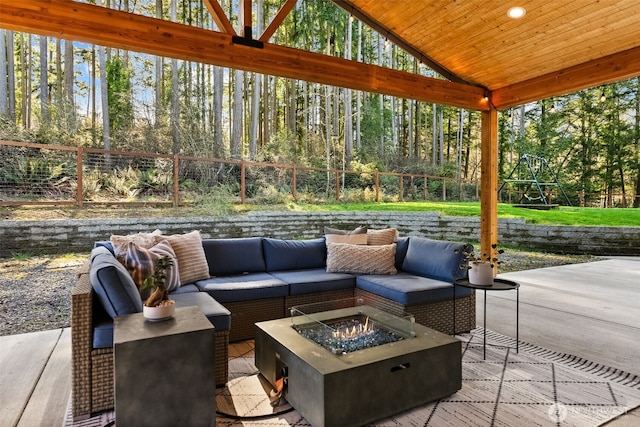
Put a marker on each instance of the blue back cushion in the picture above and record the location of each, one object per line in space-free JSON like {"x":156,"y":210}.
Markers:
{"x":437,"y":259}
{"x":402,"y":244}
{"x":113,"y":284}
{"x":234,"y":256}
{"x":283,"y":255}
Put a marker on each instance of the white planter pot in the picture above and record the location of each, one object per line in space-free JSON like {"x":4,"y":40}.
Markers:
{"x":161,"y":312}
{"x":480,"y":273}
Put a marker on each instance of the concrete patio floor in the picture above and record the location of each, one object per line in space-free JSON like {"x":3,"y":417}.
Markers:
{"x":588,"y":310}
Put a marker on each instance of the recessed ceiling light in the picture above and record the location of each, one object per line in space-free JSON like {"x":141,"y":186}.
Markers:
{"x":516,"y":12}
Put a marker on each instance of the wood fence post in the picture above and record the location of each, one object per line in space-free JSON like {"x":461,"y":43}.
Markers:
{"x":377,"y":186}
{"x":444,"y":189}
{"x":243,"y":182}
{"x":294,"y":183}
{"x":426,"y":191}
{"x":337,"y":185}
{"x":80,"y":184}
{"x":401,"y":186}
{"x":176,"y":180}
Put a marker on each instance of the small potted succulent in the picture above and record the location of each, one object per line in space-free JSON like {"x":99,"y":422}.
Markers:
{"x":158,"y":306}
{"x":481,"y":267}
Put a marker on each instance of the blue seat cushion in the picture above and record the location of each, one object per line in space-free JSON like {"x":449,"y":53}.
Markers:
{"x":437,"y":259}
{"x":315,"y":280}
{"x":282,"y":255}
{"x":217,"y":314}
{"x":185,"y":289}
{"x":244,"y":287}
{"x":234,"y":256}
{"x":103,"y":334}
{"x":113,"y":284}
{"x":409,"y":289}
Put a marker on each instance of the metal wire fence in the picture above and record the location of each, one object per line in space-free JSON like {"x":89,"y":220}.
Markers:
{"x":39,"y":174}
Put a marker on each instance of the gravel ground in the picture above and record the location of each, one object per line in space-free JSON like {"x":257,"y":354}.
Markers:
{"x":35,"y":293}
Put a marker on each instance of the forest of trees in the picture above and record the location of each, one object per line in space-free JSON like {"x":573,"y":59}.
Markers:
{"x":70,"y":93}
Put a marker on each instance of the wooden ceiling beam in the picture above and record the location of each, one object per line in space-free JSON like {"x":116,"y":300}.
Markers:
{"x":277,"y":20}
{"x":219,"y":16}
{"x":123,"y":30}
{"x":619,"y":66}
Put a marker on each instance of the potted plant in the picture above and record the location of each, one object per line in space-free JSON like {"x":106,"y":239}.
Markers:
{"x":158,"y":306}
{"x":481,"y":267}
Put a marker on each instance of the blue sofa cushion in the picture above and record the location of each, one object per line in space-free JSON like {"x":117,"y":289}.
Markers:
{"x":409,"y":289}
{"x":402,"y":244}
{"x":315,"y":280}
{"x":113,"y":285}
{"x":294,"y":254}
{"x":234,"y":256}
{"x":436,"y":259}
{"x":244,"y":287}
{"x":217,"y":314}
{"x":103,"y":334}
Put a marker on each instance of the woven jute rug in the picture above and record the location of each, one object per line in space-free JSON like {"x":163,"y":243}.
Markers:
{"x":534,"y":387}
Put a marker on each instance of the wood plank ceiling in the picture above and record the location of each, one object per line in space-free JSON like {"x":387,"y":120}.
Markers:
{"x":558,"y":47}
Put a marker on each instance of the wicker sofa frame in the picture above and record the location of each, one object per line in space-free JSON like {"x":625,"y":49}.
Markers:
{"x":92,"y":384}
{"x":92,"y":369}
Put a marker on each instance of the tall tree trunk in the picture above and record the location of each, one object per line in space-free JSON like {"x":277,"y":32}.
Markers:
{"x":348,"y":108}
{"x":218,"y":126}
{"x":11,"y":80}
{"x":236,"y":128}
{"x":69,"y":81}
{"x":106,"y":135}
{"x":359,"y":94}
{"x":159,"y":77}
{"x":175,"y":95}
{"x":44,"y":80}
{"x":4,"y":71}
{"x":636,"y":142}
{"x":256,"y":87}
{"x":434,"y":135}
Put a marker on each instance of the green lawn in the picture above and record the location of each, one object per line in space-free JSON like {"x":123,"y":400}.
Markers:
{"x":560,"y":216}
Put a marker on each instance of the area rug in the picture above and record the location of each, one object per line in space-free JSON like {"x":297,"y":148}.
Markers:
{"x":534,"y":387}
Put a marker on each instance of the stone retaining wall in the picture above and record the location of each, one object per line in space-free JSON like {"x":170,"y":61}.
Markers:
{"x":62,"y":236}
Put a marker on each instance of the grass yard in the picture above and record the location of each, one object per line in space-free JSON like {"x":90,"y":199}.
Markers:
{"x":562,"y":215}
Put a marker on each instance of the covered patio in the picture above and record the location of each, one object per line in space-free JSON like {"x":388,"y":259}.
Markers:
{"x":600,"y":326}
{"x":489,"y":60}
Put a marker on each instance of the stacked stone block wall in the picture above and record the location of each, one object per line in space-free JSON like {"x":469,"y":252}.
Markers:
{"x":63,"y":236}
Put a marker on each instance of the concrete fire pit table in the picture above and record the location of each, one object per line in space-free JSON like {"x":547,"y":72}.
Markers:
{"x":362,"y":386}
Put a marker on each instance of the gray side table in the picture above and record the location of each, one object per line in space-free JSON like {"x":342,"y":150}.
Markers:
{"x":164,"y":371}
{"x":498,"y":285}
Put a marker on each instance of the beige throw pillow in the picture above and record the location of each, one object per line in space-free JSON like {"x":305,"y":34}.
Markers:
{"x":354,"y":237}
{"x":191,"y":259}
{"x":362,"y":259}
{"x":141,"y":240}
{"x":140,"y":263}
{"x":386,"y":236}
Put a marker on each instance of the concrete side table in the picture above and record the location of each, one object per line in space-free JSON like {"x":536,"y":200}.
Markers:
{"x":164,"y":371}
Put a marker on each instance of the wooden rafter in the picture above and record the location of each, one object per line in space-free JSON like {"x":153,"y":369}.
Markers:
{"x":619,"y":66}
{"x":219,"y":16}
{"x":124,"y":30}
{"x":277,"y":20}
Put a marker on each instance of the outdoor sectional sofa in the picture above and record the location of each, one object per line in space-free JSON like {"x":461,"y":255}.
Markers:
{"x":257,"y":279}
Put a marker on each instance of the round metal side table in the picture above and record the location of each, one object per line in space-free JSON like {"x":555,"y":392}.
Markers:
{"x":498,"y":285}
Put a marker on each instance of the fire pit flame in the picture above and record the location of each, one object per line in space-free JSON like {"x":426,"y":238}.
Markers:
{"x":348,"y":335}
{"x":356,"y":331}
